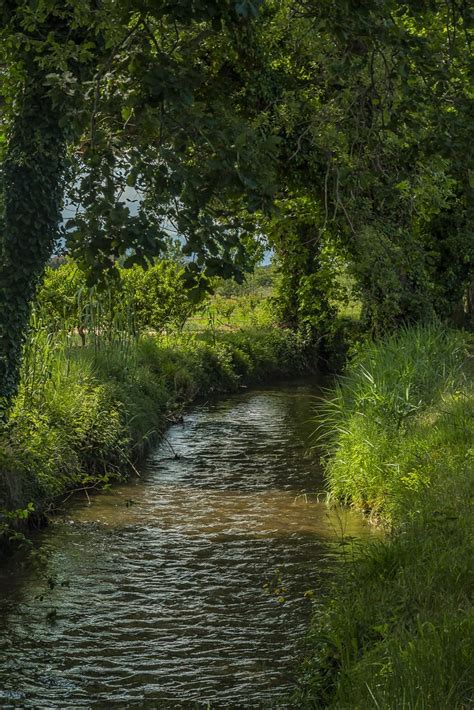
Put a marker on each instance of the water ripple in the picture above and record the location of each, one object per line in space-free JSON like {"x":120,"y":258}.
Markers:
{"x":186,"y":586}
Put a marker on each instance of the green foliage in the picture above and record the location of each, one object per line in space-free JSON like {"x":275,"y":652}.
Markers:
{"x":372,"y":102}
{"x":140,"y":300}
{"x":305,"y":287}
{"x":59,"y":297}
{"x":397,"y":628}
{"x":259,"y":282}
{"x":233,"y":312}
{"x":137,"y":96}
{"x":156,"y":295}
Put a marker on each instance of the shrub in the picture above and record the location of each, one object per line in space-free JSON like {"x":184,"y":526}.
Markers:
{"x":143,"y":299}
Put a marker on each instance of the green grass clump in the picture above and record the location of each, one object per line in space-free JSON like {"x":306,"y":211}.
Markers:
{"x":397,"y":627}
{"x":381,"y":420}
{"x":85,"y":414}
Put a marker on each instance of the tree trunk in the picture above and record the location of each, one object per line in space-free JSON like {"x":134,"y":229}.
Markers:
{"x":31,"y":195}
{"x":470,"y":305}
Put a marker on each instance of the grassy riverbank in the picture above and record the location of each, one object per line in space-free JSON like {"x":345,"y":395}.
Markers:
{"x":397,"y":628}
{"x":84,"y":415}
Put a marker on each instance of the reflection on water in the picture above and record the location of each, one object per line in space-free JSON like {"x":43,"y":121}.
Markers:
{"x":185,"y":587}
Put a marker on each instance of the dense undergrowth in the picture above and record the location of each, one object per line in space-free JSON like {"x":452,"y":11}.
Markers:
{"x":84,"y":415}
{"x":397,"y":628}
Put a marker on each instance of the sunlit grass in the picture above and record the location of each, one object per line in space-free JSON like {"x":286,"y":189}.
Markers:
{"x":374,"y":422}
{"x":228,"y":313}
{"x":83,"y":414}
{"x":399,"y":629}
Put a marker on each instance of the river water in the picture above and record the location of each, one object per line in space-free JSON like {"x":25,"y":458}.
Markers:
{"x":190,"y":586}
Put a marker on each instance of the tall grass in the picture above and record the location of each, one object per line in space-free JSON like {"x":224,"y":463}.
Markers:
{"x":379,"y":424}
{"x":397,"y":630}
{"x":85,"y":414}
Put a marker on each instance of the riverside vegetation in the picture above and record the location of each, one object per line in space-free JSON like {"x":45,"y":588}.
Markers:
{"x":336,"y":134}
{"x":397,"y":629}
{"x":103,"y":374}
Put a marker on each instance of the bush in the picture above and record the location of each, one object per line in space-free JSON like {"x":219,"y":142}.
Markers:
{"x":157,"y":295}
{"x":143,"y":299}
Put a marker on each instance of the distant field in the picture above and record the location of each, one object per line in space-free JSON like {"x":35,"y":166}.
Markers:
{"x":231,"y":313}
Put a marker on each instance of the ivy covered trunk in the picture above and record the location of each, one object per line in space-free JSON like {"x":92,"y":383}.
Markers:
{"x":303,"y":301}
{"x":31,"y":199}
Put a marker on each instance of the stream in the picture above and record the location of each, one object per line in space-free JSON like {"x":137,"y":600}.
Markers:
{"x":189,"y":586}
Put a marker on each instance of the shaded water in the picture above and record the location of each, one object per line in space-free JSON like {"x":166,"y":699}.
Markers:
{"x":188,"y":586}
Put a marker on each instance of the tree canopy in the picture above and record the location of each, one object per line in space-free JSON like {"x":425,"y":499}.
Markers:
{"x":100,"y":96}
{"x":340,"y":131}
{"x":376,"y":120}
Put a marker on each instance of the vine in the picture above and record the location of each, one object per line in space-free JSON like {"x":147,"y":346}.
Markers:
{"x":32,"y":193}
